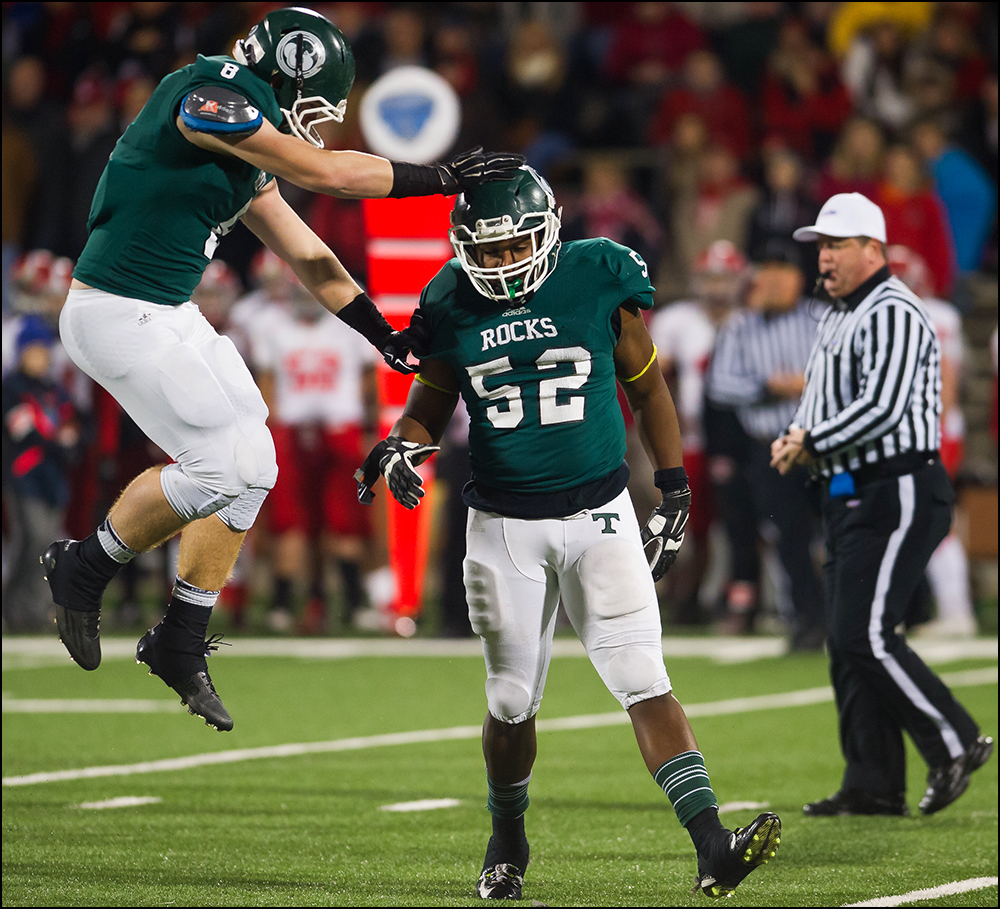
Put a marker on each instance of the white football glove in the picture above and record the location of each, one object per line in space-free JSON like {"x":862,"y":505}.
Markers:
{"x":664,"y":531}
{"x":396,"y":459}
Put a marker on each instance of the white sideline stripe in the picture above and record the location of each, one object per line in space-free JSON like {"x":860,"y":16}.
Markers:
{"x":932,"y":893}
{"x":421,"y":805}
{"x":588,"y":721}
{"x":30,"y":651}
{"x":88,"y":705}
{"x":123,"y":801}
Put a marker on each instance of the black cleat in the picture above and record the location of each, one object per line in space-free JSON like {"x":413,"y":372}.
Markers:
{"x":186,"y":671}
{"x":503,"y":868}
{"x":78,"y":621}
{"x":733,"y":856}
{"x":945,"y":784}
{"x":500,"y":882}
{"x":848,"y":802}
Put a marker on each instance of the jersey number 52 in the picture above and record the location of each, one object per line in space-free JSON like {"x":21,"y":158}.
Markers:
{"x":552,"y":409}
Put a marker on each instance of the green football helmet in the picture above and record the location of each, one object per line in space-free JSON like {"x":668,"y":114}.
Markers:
{"x":503,"y":210}
{"x":308,"y":63}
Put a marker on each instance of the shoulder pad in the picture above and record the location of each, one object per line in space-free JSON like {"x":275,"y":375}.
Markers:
{"x":216,"y":109}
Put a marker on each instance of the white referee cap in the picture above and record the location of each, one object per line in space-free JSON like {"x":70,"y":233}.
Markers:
{"x":846,"y":215}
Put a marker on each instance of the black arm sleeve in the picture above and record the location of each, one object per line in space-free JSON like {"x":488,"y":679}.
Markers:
{"x":365,"y":319}
{"x":421,"y":180}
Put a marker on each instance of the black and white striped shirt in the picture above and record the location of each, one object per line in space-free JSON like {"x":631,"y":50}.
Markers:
{"x":873,"y":382}
{"x":750,"y":348}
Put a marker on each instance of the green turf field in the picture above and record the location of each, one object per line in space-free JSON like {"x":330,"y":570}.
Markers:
{"x":306,"y":826}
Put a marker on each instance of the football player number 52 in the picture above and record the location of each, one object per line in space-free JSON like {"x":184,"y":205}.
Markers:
{"x":552,"y":409}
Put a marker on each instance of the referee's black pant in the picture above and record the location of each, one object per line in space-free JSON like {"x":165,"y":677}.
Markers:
{"x":878,"y":542}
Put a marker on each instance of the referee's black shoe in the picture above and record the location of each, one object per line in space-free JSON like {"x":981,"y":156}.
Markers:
{"x":945,"y":784}
{"x":78,"y":616}
{"x":849,"y":802}
{"x":732,"y":855}
{"x":181,"y":665}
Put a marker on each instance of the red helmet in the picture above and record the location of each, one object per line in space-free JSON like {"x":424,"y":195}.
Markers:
{"x":40,"y":281}
{"x":267,"y":268}
{"x":911,"y":268}
{"x":219,"y":277}
{"x":39,"y":271}
{"x":216,"y":292}
{"x":721,"y":258}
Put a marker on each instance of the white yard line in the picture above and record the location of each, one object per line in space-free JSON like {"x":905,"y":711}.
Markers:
{"x":932,"y":893}
{"x":421,"y":805}
{"x":123,"y":801}
{"x":743,"y":806}
{"x":985,"y":676}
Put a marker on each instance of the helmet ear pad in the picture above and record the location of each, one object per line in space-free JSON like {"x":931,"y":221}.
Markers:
{"x":504,"y":210}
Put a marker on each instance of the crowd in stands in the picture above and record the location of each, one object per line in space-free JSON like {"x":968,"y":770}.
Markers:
{"x":668,"y":127}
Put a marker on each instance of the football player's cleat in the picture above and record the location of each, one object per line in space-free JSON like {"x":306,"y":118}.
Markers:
{"x":186,"y":671}
{"x":848,"y":802}
{"x":77,"y":617}
{"x":945,"y":784}
{"x":730,"y":858}
{"x":503,"y":868}
{"x":500,"y":882}
{"x":308,"y":63}
{"x":503,"y":209}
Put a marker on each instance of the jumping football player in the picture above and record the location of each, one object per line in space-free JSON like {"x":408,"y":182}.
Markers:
{"x":199,"y":157}
{"x":533,"y":335}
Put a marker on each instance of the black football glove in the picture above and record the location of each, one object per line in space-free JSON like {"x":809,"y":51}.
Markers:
{"x":415,"y":339}
{"x":474,"y":167}
{"x":394,"y":352}
{"x":395,"y":459}
{"x":664,"y":531}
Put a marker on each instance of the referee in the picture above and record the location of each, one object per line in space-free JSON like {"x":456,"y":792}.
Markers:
{"x":757,"y":369}
{"x":868,"y":425}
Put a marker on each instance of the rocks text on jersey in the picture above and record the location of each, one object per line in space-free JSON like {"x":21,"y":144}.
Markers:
{"x":518,"y":330}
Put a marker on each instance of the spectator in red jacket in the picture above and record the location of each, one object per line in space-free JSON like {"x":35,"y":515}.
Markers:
{"x":914,"y":216}
{"x":804,"y":103}
{"x":951,"y":42}
{"x":646,"y":51}
{"x":717,"y":208}
{"x":610,"y":207}
{"x":705,"y":91}
{"x":651,"y":45}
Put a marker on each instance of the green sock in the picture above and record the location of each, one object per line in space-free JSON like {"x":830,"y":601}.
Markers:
{"x":507,"y":800}
{"x":685,"y":781}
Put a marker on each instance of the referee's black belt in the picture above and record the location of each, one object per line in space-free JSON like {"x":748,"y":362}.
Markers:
{"x":896,"y":466}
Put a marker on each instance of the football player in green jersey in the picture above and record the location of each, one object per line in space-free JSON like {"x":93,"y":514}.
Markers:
{"x":533,"y":335}
{"x":199,"y":156}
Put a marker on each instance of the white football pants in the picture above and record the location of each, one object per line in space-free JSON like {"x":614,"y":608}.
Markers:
{"x":189,"y":391}
{"x":515,"y":573}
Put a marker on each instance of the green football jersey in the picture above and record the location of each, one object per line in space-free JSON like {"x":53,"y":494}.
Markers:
{"x":162,"y":203}
{"x":539,"y":381}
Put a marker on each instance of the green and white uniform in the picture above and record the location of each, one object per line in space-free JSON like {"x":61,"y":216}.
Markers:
{"x":549,"y":517}
{"x":162,"y":203}
{"x":547,"y":435}
{"x":159,"y":210}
